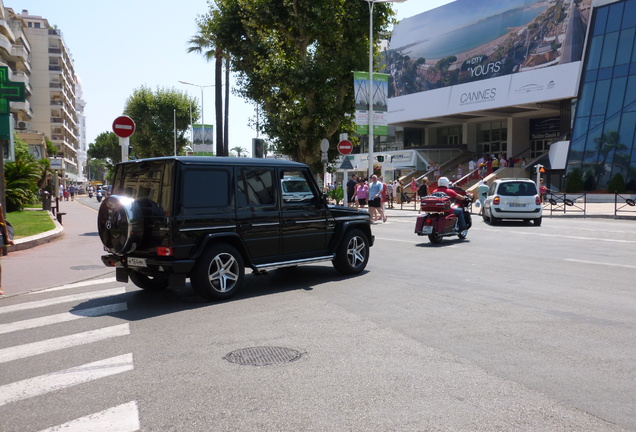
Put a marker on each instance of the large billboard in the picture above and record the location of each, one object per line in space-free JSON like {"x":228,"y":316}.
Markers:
{"x":469,"y":41}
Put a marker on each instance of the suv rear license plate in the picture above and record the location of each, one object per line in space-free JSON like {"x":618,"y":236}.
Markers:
{"x":517,"y":205}
{"x":137,"y":262}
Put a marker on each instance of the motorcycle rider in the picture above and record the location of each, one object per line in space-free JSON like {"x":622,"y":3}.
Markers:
{"x":443,"y":185}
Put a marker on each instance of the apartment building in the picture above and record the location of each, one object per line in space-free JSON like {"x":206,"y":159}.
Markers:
{"x":51,"y":97}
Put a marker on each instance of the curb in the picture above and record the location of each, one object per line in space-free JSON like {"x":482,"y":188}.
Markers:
{"x":39,"y":239}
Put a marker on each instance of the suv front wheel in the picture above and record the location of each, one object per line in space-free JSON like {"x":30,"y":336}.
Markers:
{"x":353,"y":253}
{"x":219,"y":272}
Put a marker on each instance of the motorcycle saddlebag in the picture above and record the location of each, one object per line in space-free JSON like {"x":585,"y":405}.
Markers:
{"x":435,"y":204}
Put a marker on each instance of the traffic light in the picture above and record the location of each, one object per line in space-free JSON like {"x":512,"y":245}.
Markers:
{"x":380,"y":158}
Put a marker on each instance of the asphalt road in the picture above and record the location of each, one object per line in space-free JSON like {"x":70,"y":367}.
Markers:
{"x":515,"y":328}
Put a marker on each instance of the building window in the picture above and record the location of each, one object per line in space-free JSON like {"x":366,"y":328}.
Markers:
{"x":492,"y":138}
{"x":604,"y":137}
{"x":449,"y":136}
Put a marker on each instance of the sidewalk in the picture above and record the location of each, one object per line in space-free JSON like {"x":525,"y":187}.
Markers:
{"x":64,"y":255}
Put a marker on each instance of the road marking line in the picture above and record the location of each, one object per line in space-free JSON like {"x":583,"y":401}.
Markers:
{"x":75,"y":285}
{"x":66,"y":299}
{"x":60,"y":343}
{"x":631,"y":267}
{"x":122,"y":418}
{"x":63,"y":317}
{"x":536,"y":234}
{"x":43,"y":384}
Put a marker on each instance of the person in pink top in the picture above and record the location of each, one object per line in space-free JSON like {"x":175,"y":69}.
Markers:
{"x":362,"y":193}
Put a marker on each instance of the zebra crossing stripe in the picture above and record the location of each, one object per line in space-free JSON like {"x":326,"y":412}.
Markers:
{"x":75,"y":285}
{"x":122,"y":418}
{"x":55,"y":344}
{"x":55,"y":381}
{"x":63,"y":317}
{"x":64,"y":299}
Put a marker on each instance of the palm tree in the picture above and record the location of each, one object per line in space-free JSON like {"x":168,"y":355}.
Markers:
{"x":238,"y":150}
{"x":202,"y":43}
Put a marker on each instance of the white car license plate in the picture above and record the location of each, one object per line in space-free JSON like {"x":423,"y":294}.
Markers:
{"x":137,"y":262}
{"x":517,"y":205}
{"x":427,"y":230}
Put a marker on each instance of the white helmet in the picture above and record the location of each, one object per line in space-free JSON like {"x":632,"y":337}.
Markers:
{"x":443,"y":182}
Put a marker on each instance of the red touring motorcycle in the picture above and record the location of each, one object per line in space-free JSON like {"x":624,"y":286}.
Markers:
{"x":439,"y":220}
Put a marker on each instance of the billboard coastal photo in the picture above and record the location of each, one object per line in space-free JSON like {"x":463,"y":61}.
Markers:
{"x":472,"y":40}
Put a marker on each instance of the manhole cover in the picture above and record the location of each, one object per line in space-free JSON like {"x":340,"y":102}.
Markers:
{"x":87,"y":267}
{"x":263,"y":356}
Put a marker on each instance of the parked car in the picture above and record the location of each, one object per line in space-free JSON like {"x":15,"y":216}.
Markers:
{"x":295,"y":189}
{"x":513,"y":199}
{"x":207,"y":218}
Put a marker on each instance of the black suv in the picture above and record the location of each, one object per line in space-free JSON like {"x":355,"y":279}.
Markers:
{"x":207,"y":218}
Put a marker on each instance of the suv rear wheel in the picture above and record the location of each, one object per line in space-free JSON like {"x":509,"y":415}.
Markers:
{"x":219,"y":272}
{"x":353,"y":253}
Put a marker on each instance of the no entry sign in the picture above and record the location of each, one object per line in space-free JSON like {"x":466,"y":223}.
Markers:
{"x":123,"y":126}
{"x":345,"y":147}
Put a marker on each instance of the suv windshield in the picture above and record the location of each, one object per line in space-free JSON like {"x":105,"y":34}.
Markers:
{"x":517,"y":189}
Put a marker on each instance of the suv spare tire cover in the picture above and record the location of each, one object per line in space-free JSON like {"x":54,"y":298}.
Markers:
{"x":120,"y":224}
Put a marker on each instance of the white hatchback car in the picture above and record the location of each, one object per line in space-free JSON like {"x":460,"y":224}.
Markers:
{"x":513,"y":199}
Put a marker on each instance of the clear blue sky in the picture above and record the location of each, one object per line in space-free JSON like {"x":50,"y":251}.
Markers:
{"x":120,"y":45}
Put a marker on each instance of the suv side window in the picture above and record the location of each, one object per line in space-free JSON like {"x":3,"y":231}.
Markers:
{"x":296,"y":188}
{"x":204,"y":189}
{"x":255,"y":187}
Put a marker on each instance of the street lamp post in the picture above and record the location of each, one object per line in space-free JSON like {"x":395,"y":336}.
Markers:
{"x":371,"y":4}
{"x":202,"y":118}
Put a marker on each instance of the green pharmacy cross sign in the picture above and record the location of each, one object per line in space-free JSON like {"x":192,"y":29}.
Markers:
{"x":9,"y":92}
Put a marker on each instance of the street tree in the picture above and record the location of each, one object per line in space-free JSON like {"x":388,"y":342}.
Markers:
{"x":295,"y":60}
{"x":154,"y":116}
{"x":106,"y":147}
{"x":203,"y":43}
{"x":21,"y":177}
{"x":238,"y":151}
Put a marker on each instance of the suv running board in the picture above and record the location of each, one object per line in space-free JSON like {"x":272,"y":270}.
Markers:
{"x":265,"y":267}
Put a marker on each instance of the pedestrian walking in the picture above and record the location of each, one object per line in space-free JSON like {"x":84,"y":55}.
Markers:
{"x":351,"y":190}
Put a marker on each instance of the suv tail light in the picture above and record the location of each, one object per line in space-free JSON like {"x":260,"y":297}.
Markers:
{"x":537,"y":200}
{"x":496,"y":200}
{"x":164,"y":251}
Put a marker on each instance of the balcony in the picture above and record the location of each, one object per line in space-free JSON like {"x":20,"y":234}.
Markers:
{"x":6,"y":28}
{"x":25,"y":107}
{"x":5,"y":44}
{"x":20,"y":53}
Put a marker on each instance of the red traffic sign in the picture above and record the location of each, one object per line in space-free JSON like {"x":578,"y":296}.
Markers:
{"x":123,"y":126}
{"x":345,"y":147}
